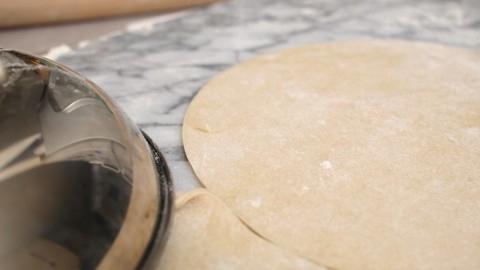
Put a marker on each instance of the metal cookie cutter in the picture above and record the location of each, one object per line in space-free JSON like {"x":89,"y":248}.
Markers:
{"x":81,"y":187}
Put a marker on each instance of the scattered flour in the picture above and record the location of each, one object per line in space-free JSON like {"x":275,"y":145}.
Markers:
{"x":256,"y":203}
{"x":55,"y":52}
{"x":326,"y":164}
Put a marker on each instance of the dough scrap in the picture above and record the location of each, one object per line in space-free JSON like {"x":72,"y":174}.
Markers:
{"x":207,"y":236}
{"x":356,"y":154}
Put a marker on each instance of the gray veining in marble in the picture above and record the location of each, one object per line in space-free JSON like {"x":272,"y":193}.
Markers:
{"x":153,"y":74}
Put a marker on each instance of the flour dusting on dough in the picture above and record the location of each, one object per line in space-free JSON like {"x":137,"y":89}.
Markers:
{"x":326,"y":164}
{"x":257,"y":202}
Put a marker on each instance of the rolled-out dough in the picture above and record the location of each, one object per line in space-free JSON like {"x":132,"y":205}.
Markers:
{"x":355,"y":154}
{"x":207,"y":236}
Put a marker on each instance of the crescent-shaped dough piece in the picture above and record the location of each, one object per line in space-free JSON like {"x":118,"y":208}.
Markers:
{"x":355,"y":154}
{"x":207,"y":236}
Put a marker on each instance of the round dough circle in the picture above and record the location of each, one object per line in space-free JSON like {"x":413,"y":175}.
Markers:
{"x":355,"y":154}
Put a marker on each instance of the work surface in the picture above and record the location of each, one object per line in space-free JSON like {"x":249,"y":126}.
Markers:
{"x":153,"y":70}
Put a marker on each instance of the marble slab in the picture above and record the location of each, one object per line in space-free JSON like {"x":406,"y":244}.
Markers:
{"x":154,"y":71}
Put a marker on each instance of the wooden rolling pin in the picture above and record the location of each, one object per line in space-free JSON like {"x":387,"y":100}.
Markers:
{"x":28,"y":12}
